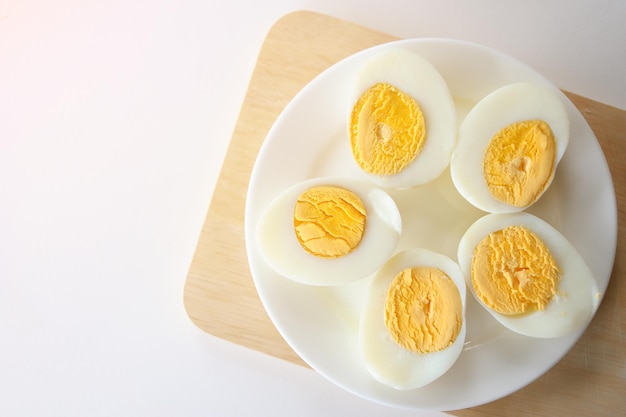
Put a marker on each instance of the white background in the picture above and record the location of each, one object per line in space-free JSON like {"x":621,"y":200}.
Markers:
{"x":114,"y":122}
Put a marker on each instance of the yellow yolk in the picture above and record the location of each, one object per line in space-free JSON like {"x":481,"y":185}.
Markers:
{"x":387,"y":130}
{"x":519,"y":162}
{"x":513,"y":272}
{"x":424,"y":311}
{"x":329,"y":221}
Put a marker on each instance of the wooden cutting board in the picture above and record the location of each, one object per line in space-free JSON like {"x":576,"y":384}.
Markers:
{"x":219,"y":293}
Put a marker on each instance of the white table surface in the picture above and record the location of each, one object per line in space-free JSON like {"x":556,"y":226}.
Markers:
{"x":114,"y":122}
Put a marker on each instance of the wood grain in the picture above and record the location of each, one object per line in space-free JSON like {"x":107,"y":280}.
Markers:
{"x":219,"y":293}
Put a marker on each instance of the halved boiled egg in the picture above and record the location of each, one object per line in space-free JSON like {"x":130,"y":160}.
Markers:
{"x":329,"y":231}
{"x":527,"y":275}
{"x":509,"y":146}
{"x":413,"y":327}
{"x":402,"y":123}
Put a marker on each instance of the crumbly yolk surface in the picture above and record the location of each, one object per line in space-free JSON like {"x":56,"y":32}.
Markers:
{"x":513,"y":272}
{"x":387,"y":130}
{"x":329,"y":221}
{"x":519,"y":162}
{"x":423,"y":311}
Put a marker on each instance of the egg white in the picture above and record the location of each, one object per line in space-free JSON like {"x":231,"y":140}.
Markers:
{"x":578,"y":297}
{"x":418,"y":78}
{"x":507,"y":105}
{"x":387,"y":361}
{"x":280,"y":249}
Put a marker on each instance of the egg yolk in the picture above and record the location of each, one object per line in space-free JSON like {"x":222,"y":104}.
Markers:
{"x":387,"y":130}
{"x":519,"y":162}
{"x":513,"y":272}
{"x":329,"y":221}
{"x":423,"y":311}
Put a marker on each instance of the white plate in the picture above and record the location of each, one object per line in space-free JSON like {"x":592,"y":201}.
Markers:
{"x":321,"y":323}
